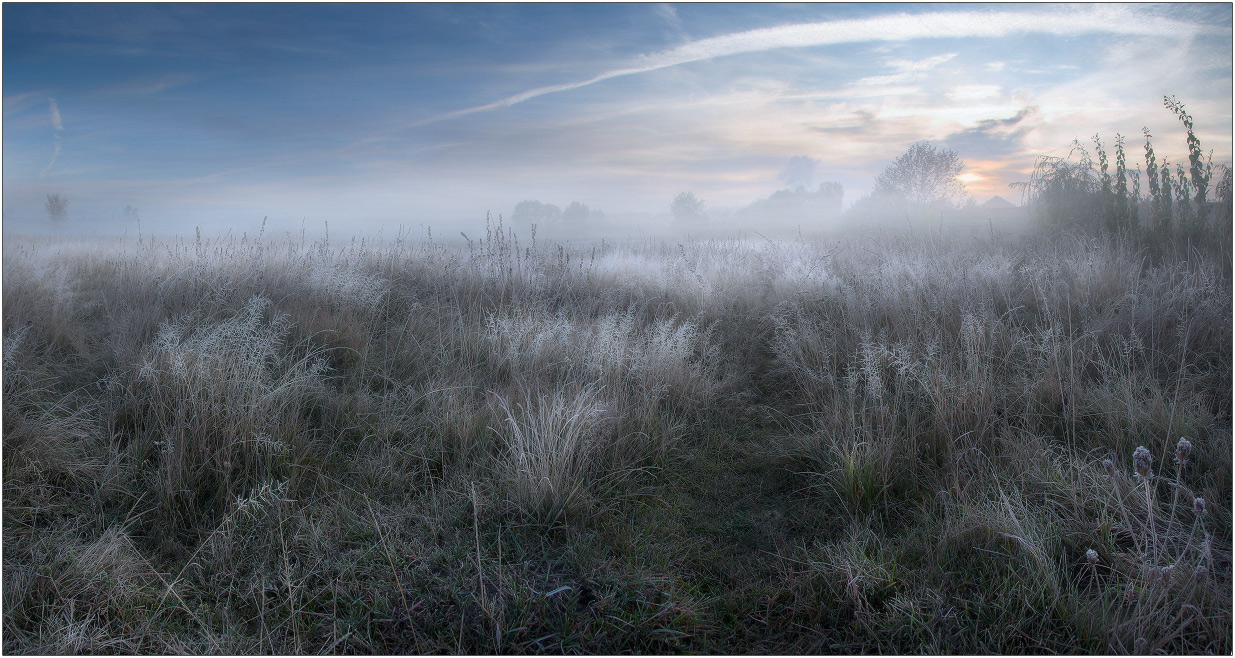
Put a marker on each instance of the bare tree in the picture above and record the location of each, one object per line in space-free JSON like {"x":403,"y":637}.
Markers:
{"x":923,"y":176}
{"x":57,"y":207}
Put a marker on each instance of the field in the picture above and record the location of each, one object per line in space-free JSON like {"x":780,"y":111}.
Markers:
{"x":909,"y":443}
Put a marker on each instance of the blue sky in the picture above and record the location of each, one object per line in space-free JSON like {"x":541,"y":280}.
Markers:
{"x":384,"y":114}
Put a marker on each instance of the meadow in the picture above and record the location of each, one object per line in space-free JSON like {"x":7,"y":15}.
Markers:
{"x":902,"y":443}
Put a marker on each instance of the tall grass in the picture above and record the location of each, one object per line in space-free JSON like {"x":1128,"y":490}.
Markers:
{"x":553,"y":451}
{"x":906,"y":444}
{"x":1189,"y":207}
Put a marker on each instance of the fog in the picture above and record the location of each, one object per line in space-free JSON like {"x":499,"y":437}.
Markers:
{"x":166,"y":120}
{"x":784,"y":213}
{"x":617,"y":328}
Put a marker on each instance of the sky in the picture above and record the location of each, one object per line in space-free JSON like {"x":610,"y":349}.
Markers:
{"x":384,"y":115}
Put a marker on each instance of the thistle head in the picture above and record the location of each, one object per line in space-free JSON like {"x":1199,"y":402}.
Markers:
{"x":1198,"y":506}
{"x":1183,"y":451}
{"x":1092,"y":556}
{"x":1143,"y":461}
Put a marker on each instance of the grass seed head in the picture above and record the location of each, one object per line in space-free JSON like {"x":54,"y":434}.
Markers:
{"x":1143,"y":461}
{"x":1198,"y":506}
{"x":1183,"y":451}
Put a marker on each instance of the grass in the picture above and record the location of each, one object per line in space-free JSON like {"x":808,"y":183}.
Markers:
{"x":904,"y":444}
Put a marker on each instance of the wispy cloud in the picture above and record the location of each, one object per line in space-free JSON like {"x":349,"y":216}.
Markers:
{"x":151,"y":85}
{"x":906,"y":70}
{"x":667,"y":12}
{"x":920,"y":65}
{"x":57,"y":132}
{"x":971,"y":93}
{"x":1088,"y":19}
{"x":56,"y":124}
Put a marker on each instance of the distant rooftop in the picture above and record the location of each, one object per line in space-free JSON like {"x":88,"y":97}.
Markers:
{"x":997,"y":202}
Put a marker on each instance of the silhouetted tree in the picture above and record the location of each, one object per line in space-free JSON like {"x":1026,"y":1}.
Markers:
{"x":831,"y":195}
{"x":535,"y":212}
{"x":57,"y":208}
{"x":797,"y":205}
{"x":575,"y":212}
{"x":923,"y":176}
{"x":687,"y":208}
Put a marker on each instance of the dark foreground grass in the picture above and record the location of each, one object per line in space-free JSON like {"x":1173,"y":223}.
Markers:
{"x":736,"y":446}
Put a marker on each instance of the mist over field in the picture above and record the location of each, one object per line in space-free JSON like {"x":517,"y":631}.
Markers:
{"x":416,"y":115}
{"x":617,"y":328}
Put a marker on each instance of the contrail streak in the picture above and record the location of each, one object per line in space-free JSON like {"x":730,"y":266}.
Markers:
{"x":899,"y":27}
{"x":58,"y":135}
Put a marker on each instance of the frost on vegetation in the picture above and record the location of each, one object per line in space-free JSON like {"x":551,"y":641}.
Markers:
{"x":221,"y":400}
{"x":709,"y":271}
{"x":803,"y":347}
{"x":806,"y":348}
{"x":1166,"y":568}
{"x":552,"y":444}
{"x":611,"y":348}
{"x":680,"y":275}
{"x":857,"y":568}
{"x":109,"y":566}
{"x":12,"y":346}
{"x":247,"y":511}
{"x":246,"y":349}
{"x":636,"y":270}
{"x":973,"y":335}
{"x":530,"y":340}
{"x":870,"y":359}
{"x":346,"y":285}
{"x":902,"y":269}
{"x":669,"y":343}
{"x":992,"y":269}
{"x":1026,"y":533}
{"x":800,"y":274}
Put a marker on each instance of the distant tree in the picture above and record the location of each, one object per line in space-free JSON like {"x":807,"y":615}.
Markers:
{"x":130,"y":214}
{"x":57,"y":207}
{"x":687,"y":208}
{"x":830,"y":196}
{"x":797,"y":205}
{"x":575,"y":212}
{"x":923,"y":176}
{"x":535,"y":212}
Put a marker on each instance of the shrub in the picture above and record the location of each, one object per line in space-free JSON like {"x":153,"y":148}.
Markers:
{"x":1074,"y":194}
